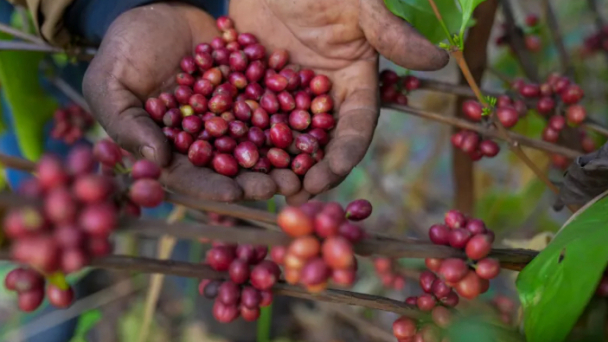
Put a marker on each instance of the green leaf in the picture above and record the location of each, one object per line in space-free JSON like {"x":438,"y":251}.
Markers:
{"x":467,"y":7}
{"x":420,"y":14}
{"x":30,"y":106}
{"x":556,"y":286}
{"x":86,"y":322}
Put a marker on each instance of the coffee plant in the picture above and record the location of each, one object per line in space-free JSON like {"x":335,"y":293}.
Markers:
{"x":235,"y":105}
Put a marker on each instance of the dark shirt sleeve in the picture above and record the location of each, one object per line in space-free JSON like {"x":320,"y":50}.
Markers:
{"x":90,"y":19}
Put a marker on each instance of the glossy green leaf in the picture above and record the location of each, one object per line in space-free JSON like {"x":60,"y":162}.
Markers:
{"x":420,"y":14}
{"x":86,"y":322}
{"x":556,"y":286}
{"x":467,"y":7}
{"x":30,"y":106}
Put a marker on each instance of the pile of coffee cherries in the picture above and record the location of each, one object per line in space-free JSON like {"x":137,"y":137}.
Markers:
{"x":531,"y":39}
{"x":78,"y":211}
{"x":394,"y":89}
{"x":387,"y":272}
{"x":250,"y":283}
{"x":71,"y":123}
{"x":322,"y":248}
{"x":237,"y":108}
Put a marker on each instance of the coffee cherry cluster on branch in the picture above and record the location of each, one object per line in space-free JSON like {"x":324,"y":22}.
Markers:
{"x":448,"y":277}
{"x":322,"y":248}
{"x":237,"y":108}
{"x":530,"y":30}
{"x":553,"y":95}
{"x":394,"y":89}
{"x":387,"y":272}
{"x":71,"y":123}
{"x":472,"y":143}
{"x":471,"y":278}
{"x":30,"y":284}
{"x":78,"y":211}
{"x":406,"y":329}
{"x":554,"y":90}
{"x":596,"y":42}
{"x":250,"y":283}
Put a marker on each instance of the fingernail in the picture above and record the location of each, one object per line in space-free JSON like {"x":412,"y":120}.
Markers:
{"x":148,"y":153}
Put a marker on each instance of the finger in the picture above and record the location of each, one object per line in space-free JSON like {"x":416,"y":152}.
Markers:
{"x":396,"y":40}
{"x":299,"y":198}
{"x":357,"y":120}
{"x":183,"y":177}
{"x":320,"y":178}
{"x":287,"y":181}
{"x":256,"y":185}
{"x":120,"y":112}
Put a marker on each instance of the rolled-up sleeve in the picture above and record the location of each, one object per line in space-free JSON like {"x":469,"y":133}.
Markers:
{"x":60,"y":21}
{"x":48,"y":17}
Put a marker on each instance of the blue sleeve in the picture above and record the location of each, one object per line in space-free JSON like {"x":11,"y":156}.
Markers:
{"x":90,"y":19}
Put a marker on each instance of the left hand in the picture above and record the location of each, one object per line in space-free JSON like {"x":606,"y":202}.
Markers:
{"x":139,"y":58}
{"x":341,"y":39}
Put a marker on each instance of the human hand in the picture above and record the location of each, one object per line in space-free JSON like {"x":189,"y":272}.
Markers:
{"x":139,"y":58}
{"x":342,"y":39}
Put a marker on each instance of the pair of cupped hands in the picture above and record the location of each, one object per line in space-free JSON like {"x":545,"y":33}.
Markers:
{"x":140,"y":54}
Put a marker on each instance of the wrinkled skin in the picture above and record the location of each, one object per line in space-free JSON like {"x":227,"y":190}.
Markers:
{"x":140,"y":56}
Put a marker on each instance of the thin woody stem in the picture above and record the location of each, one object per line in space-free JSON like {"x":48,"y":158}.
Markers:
{"x":513,"y":145}
{"x":441,"y":22}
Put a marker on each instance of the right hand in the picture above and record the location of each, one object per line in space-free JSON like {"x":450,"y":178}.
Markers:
{"x":139,"y":58}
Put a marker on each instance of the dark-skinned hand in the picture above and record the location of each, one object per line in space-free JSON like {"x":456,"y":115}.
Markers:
{"x":139,"y":58}
{"x":140,"y":54}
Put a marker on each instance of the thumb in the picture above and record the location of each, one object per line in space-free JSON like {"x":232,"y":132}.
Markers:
{"x":120,"y":113}
{"x":396,"y":40}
